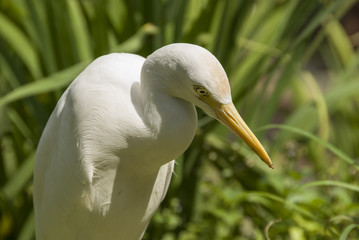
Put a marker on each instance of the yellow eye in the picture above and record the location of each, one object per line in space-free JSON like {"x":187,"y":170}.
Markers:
{"x":201,"y":91}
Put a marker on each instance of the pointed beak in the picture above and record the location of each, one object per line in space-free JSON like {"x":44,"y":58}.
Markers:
{"x":229,"y":116}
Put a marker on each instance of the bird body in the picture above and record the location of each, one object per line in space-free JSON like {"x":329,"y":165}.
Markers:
{"x":106,"y":156}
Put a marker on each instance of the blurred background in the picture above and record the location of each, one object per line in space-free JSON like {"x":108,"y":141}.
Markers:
{"x":294,"y":71}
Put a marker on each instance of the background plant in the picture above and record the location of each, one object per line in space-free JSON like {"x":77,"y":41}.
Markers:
{"x":294,"y":73}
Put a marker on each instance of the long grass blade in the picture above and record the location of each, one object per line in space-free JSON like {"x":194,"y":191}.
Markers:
{"x":21,"y":178}
{"x":51,"y":83}
{"x":347,"y":231}
{"x":348,"y":186}
{"x":21,"y":45}
{"x":309,"y":135}
{"x":28,"y":230}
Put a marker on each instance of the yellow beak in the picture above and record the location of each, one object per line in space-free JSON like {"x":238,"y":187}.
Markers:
{"x":229,"y":116}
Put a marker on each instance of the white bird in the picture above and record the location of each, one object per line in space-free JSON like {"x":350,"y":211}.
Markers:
{"x":106,"y":156}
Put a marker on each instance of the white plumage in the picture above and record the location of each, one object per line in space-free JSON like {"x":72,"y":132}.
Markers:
{"x":105,"y":159}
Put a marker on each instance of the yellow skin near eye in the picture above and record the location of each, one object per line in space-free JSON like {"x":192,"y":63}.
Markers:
{"x":201,"y":91}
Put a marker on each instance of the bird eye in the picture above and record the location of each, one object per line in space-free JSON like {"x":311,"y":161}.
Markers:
{"x":201,"y":91}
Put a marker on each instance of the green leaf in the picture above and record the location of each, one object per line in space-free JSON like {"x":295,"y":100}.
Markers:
{"x":21,"y":45}
{"x":51,"y":83}
{"x":281,"y":200}
{"x":347,"y":230}
{"x":339,"y":41}
{"x":329,"y":146}
{"x":28,"y":230}
{"x":81,"y":35}
{"x":348,"y":186}
{"x":20,"y":178}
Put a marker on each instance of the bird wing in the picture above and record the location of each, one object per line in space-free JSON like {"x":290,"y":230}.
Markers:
{"x":75,"y":159}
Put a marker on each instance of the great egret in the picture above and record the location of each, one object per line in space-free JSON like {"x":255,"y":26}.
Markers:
{"x":105,"y":158}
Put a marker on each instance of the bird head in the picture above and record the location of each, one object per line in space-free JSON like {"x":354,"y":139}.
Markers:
{"x":195,"y":75}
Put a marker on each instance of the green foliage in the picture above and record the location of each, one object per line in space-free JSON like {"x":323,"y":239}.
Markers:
{"x":294,"y":77}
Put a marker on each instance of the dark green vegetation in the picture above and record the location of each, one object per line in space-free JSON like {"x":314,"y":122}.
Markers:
{"x":295,"y":80}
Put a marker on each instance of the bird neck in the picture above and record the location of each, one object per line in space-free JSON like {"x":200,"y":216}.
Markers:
{"x":171,"y":121}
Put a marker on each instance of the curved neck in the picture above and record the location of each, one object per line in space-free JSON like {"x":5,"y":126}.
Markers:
{"x":171,"y":121}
